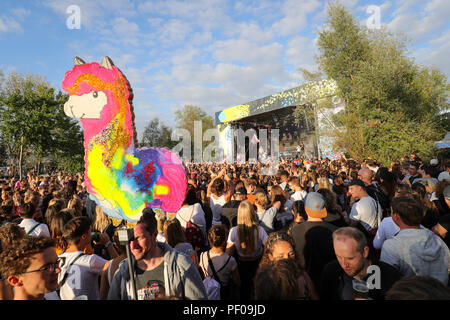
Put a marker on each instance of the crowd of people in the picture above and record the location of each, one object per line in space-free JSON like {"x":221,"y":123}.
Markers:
{"x":314,"y":230}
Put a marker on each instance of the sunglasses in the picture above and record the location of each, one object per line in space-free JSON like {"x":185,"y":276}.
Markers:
{"x":49,"y":268}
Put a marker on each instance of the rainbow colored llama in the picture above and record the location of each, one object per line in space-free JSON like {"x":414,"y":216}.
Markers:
{"x":121,"y":179}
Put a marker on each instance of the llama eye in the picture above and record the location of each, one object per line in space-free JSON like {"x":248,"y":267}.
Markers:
{"x":95,"y":94}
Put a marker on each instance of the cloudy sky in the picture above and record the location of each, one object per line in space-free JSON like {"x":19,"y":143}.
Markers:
{"x":209,"y":53}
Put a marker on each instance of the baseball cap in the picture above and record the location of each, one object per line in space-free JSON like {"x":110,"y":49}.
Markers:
{"x":447,"y":192}
{"x":241,"y":191}
{"x":315,"y":205}
{"x":357,"y":182}
{"x":434,"y":162}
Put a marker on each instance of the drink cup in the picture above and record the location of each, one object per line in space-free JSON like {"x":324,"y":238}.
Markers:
{"x":360,"y":290}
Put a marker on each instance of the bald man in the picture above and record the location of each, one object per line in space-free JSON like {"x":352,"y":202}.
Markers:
{"x":366,"y":175}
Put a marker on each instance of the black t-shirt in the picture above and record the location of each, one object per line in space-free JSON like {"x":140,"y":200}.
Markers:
{"x":314,"y":246}
{"x":229,"y":213}
{"x":150,"y":283}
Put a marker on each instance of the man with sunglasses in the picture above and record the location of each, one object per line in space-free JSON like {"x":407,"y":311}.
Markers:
{"x":31,"y":268}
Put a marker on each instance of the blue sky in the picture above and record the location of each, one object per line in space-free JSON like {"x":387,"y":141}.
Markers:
{"x":210,"y":53}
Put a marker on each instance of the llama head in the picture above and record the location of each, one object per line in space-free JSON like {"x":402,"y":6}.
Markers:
{"x":99,"y":93}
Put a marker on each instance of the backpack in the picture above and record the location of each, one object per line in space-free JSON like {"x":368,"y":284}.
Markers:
{"x":214,"y":288}
{"x":193,"y":233}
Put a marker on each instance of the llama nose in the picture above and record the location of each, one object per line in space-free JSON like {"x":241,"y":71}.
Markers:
{"x":68,"y":110}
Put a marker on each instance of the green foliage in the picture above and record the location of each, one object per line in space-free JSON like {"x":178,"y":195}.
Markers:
{"x":392,"y":103}
{"x":157,"y":134}
{"x":32,"y":117}
{"x":186,"y":116}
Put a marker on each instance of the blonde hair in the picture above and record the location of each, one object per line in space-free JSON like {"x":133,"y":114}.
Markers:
{"x":247,"y":225}
{"x":324,"y":183}
{"x":77,"y":205}
{"x":261,"y":199}
{"x":101,"y":220}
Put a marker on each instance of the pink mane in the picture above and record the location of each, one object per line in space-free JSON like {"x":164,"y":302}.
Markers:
{"x":112,"y":83}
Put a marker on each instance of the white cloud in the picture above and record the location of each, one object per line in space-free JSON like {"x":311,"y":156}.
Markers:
{"x":21,"y":13}
{"x":8,"y":24}
{"x":295,"y":16}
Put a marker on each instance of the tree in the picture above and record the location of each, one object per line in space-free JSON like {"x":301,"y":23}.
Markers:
{"x":392,"y":103}
{"x":30,"y":114}
{"x":157,"y":134}
{"x":185,"y":119}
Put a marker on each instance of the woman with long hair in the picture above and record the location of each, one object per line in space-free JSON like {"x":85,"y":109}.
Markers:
{"x":102,"y":225}
{"x":173,"y":232}
{"x":192,"y":211}
{"x":56,"y":224}
{"x":280,"y":246}
{"x":246,"y":240}
{"x":431,"y":212}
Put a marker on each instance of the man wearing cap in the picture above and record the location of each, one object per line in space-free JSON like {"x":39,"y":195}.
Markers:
{"x":230,"y":209}
{"x":313,"y":238}
{"x":367,"y":211}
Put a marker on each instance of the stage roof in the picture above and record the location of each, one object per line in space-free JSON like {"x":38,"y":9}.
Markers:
{"x":293,"y":97}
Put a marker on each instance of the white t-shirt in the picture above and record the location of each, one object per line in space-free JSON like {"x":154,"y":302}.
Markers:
{"x":233,"y":238}
{"x":216,"y":208}
{"x":444,"y":175}
{"x":198,"y":217}
{"x":83,"y":275}
{"x":40,"y":230}
{"x":299,"y":195}
{"x":365,"y":211}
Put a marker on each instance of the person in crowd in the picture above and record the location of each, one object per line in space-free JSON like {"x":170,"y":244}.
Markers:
{"x":281,"y":246}
{"x":334,"y":211}
{"x":415,"y":250}
{"x":246,"y":240}
{"x":225,"y":266}
{"x":175,"y":237}
{"x":191,"y":211}
{"x":266,"y":214}
{"x":313,"y":238}
{"x":445,"y":175}
{"x":79,"y":271}
{"x":31,"y":226}
{"x":230,"y":209}
{"x":366,"y":211}
{"x":295,"y":185}
{"x":284,"y":215}
{"x":277,"y":280}
{"x":159,"y":269}
{"x":10,"y":235}
{"x":111,"y":266}
{"x":430,"y":211}
{"x":418,"y":288}
{"x":217,"y":196}
{"x":31,"y":268}
{"x":442,"y":229}
{"x":354,"y":263}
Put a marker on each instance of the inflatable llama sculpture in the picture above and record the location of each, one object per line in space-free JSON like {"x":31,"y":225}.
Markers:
{"x":121,"y":179}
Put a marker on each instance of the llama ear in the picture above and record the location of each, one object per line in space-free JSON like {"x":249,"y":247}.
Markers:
{"x":107,"y":63}
{"x":77,"y":61}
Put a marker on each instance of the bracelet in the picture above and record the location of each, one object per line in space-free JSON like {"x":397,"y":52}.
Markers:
{"x":108,"y":244}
